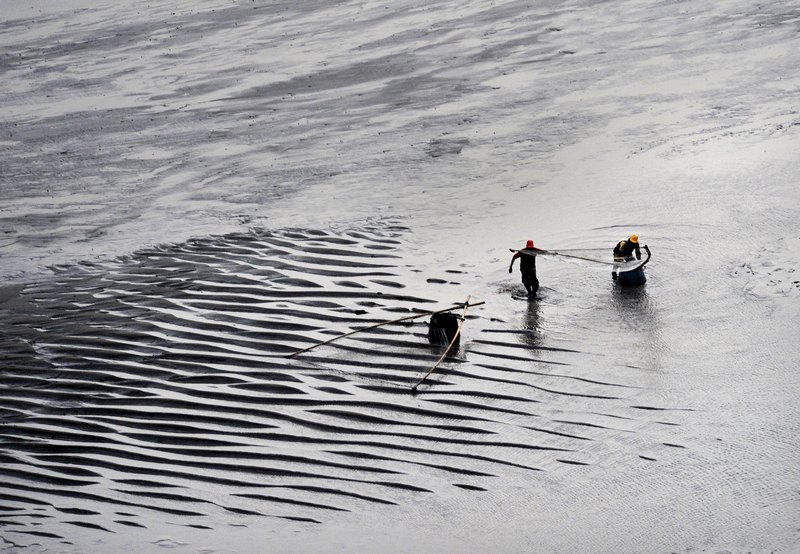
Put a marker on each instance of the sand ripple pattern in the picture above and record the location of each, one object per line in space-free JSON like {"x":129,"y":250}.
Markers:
{"x":158,"y":386}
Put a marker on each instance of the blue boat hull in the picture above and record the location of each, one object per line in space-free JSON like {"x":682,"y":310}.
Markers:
{"x":632,"y":278}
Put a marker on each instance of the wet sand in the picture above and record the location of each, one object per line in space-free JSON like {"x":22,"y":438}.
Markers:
{"x":191,"y":194}
{"x":158,"y":387}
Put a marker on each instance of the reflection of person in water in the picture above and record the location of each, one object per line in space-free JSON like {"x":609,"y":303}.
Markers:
{"x":623,"y":252}
{"x":533,"y":336}
{"x":527,"y":266}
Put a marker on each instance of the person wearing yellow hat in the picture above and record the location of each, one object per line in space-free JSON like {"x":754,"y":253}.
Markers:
{"x":624,"y":250}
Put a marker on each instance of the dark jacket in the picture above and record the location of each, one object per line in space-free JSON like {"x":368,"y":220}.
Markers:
{"x":527,"y":262}
{"x":625,"y":248}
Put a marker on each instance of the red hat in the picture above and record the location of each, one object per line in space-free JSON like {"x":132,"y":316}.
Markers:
{"x":530,"y":244}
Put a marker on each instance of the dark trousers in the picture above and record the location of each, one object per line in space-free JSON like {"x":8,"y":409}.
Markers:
{"x":530,"y":282}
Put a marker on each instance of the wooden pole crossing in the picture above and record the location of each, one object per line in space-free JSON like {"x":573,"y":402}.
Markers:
{"x":406,"y":318}
{"x":449,"y":346}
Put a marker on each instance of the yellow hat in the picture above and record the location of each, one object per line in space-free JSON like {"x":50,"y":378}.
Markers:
{"x":635,"y":238}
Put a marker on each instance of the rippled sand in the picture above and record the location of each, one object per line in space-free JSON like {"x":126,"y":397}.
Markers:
{"x":157,"y":390}
{"x":190,"y":193}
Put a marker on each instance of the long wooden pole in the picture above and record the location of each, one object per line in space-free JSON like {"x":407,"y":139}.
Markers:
{"x":547,"y":252}
{"x":449,"y":346}
{"x":550,"y":253}
{"x":406,"y":318}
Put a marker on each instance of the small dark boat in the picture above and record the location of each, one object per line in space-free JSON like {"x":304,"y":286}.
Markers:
{"x":443,"y":328}
{"x":636,"y":276}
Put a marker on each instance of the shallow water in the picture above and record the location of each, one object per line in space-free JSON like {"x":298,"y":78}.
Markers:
{"x":189,"y":194}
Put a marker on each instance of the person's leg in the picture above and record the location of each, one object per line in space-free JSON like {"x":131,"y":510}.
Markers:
{"x":526,"y":282}
{"x":534,"y":284}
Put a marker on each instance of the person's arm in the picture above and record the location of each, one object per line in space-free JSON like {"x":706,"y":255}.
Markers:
{"x":638,"y":252}
{"x":514,"y":257}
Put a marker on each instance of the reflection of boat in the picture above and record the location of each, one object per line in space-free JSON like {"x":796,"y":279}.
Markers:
{"x":634,"y":276}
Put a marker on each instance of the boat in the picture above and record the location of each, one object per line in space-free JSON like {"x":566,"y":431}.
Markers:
{"x":635,"y":276}
{"x":444,"y":328}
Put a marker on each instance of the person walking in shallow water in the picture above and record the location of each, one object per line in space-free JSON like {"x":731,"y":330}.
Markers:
{"x":527,"y":267}
{"x":624,"y":250}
